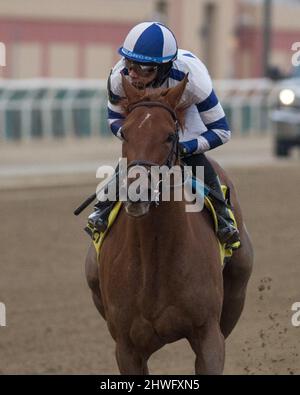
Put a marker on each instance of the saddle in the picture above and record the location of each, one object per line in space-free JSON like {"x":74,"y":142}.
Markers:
{"x":225,"y":253}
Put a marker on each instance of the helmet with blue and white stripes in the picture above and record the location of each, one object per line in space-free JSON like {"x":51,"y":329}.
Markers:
{"x":150,"y":42}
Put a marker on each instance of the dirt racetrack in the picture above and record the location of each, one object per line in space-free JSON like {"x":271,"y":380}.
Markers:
{"x":53,"y":327}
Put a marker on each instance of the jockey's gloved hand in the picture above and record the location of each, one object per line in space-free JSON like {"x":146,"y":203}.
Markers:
{"x":188,"y":147}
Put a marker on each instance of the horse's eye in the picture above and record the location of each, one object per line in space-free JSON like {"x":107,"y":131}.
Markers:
{"x":170,"y":138}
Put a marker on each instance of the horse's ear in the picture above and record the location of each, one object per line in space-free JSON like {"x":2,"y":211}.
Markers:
{"x":132,"y":93}
{"x":173,"y":95}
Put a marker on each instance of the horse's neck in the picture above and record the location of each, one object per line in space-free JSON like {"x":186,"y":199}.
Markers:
{"x":167,"y":221}
{"x":173,"y":219}
{"x":157,"y":242}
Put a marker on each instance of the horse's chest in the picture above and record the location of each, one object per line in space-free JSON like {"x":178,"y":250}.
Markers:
{"x":168,"y":326}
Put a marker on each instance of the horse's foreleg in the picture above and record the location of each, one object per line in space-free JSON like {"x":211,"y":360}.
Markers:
{"x":236,"y":275}
{"x":209,"y":346}
{"x":130,"y":361}
{"x":92,"y":276}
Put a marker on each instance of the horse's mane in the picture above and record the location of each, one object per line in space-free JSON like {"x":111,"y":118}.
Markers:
{"x":157,"y":95}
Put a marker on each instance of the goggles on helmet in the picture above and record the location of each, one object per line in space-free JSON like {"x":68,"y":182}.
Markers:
{"x":141,"y":69}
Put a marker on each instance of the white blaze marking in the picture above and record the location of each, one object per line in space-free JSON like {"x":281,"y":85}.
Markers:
{"x":147,"y":117}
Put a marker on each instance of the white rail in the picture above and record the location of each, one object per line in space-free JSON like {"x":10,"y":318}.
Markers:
{"x":51,"y":108}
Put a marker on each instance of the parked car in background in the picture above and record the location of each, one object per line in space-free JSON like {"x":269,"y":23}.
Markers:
{"x":285,"y":113}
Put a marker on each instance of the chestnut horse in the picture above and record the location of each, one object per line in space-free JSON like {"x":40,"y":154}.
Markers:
{"x":160,"y":277}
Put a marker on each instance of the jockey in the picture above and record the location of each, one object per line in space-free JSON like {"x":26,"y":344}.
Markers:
{"x":151,"y":58}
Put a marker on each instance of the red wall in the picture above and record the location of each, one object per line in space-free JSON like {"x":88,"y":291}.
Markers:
{"x":45,"y":32}
{"x":252,"y":39}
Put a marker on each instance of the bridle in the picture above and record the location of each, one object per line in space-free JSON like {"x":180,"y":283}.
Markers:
{"x":175,"y":136}
{"x":174,"y":151}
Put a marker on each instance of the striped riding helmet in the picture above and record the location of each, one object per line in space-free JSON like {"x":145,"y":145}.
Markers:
{"x":150,"y":42}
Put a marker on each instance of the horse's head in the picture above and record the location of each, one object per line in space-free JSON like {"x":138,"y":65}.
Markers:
{"x":150,"y":133}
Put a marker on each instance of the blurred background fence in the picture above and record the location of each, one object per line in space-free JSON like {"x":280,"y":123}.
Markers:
{"x":45,"y":108}
{"x":51,"y":108}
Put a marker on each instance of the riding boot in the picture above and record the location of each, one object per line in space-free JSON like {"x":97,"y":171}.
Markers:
{"x":99,"y":218}
{"x":227,"y":233}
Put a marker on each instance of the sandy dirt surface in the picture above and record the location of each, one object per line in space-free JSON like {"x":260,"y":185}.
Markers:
{"x":53,"y":326}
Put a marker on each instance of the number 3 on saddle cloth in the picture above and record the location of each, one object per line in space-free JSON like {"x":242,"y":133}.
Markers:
{"x":225,"y":253}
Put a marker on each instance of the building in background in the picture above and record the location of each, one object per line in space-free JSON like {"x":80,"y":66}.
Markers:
{"x":80,"y":38}
{"x":285,"y":17}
